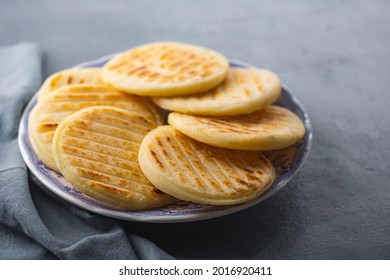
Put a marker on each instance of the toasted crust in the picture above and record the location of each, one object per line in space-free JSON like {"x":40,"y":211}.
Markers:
{"x":64,"y":101}
{"x":269,"y":129}
{"x":68,"y":77}
{"x":193,"y":171}
{"x":166,"y":69}
{"x":244,"y":91}
{"x":96,"y":151}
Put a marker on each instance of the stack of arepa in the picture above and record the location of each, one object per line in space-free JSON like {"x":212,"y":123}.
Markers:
{"x":101,"y":129}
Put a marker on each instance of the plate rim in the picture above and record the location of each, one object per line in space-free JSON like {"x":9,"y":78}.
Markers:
{"x":191,"y":217}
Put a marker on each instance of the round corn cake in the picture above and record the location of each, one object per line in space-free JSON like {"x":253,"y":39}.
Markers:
{"x":269,"y":129}
{"x":193,"y":171}
{"x":243,"y":91}
{"x":96,"y":150}
{"x":166,"y":69}
{"x":64,"y":101}
{"x":68,"y":77}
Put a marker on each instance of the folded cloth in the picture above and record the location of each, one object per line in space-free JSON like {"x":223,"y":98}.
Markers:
{"x":33,"y":223}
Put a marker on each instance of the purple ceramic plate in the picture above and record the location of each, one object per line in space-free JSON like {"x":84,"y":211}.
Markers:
{"x":287,"y":163}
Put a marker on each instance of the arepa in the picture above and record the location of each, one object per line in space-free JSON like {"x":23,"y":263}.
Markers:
{"x":272,"y":128}
{"x":193,"y":171}
{"x":64,"y":101}
{"x":165,"y":69}
{"x":90,"y":75}
{"x":96,"y":150}
{"x":243,"y":91}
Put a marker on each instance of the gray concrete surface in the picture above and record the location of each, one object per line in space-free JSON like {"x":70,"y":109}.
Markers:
{"x":333,"y":55}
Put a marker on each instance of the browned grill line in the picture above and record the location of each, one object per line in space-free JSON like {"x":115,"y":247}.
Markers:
{"x":194,"y":169}
{"x":257,"y":83}
{"x":118,"y":65}
{"x":172,"y":154}
{"x":221,"y":87}
{"x":254,"y":118}
{"x":129,"y":121}
{"x":102,"y":172}
{"x":244,"y":164}
{"x":115,"y":187}
{"x":227,"y":126}
{"x":119,"y":130}
{"x":99,"y":144}
{"x":229,"y":163}
{"x":106,"y":164}
{"x":160,"y":157}
{"x":106,"y":135}
{"x":94,"y":141}
{"x":223,"y":170}
{"x":233,"y":86}
{"x":220,"y":184}
{"x":110,"y":198}
{"x":50,"y":114}
{"x":80,"y":106}
{"x":135,"y":113}
{"x":102,"y":154}
{"x":130,"y":191}
{"x":118,"y":119}
{"x":79,"y":97}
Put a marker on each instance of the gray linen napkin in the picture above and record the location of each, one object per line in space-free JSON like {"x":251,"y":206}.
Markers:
{"x":33,"y":223}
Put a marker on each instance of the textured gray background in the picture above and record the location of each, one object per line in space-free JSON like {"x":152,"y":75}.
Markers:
{"x":333,"y":55}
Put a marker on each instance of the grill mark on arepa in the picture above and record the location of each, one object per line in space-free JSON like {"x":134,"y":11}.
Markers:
{"x":120,"y":123}
{"x":151,"y":193}
{"x":240,"y":169}
{"x":191,"y":172}
{"x":231,"y":89}
{"x":106,"y":169}
{"x":101,"y":157}
{"x":109,"y":129}
{"x":139,"y":118}
{"x":153,"y":76}
{"x":225,"y":126}
{"x":95,"y":96}
{"x":216,"y":182}
{"x":154,"y":155}
{"x":171,"y":160}
{"x":111,"y":134}
{"x":46,"y":126}
{"x":51,"y":117}
{"x":123,"y":192}
{"x":117,"y":65}
{"x":226,"y":166}
{"x":54,"y":81}
{"x":111,"y":195}
{"x":135,"y":69}
{"x":90,"y":170}
{"x":97,"y":147}
{"x":161,"y":146}
{"x":58,"y":107}
{"x":96,"y":184}
{"x":102,"y":138}
{"x":186,"y":148}
{"x":226,"y":181}
{"x":257,"y":82}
